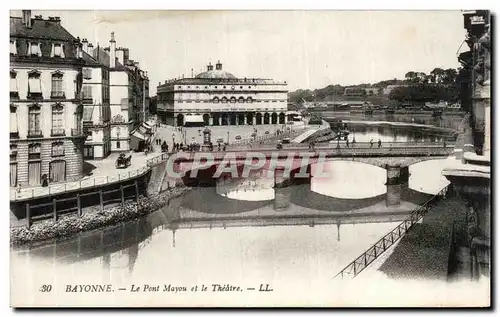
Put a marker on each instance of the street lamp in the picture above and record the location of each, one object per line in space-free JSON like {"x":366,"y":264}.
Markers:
{"x":228,"y":137}
{"x":173,"y":140}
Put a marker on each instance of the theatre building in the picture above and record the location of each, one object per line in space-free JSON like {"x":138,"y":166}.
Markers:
{"x":216,"y":97}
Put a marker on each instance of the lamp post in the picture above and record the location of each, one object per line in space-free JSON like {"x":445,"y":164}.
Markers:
{"x":227,"y":137}
{"x":173,"y":140}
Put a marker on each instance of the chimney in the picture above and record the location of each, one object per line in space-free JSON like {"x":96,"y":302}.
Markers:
{"x":91,"y":49}
{"x":27,"y":18}
{"x":120,"y":55}
{"x":85,"y":46}
{"x":218,"y":66}
{"x":112,"y":51}
{"x":210,"y":66}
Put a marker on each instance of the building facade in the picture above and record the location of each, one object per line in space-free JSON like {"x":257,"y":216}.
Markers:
{"x":115,"y":97}
{"x":217,"y":97}
{"x":95,"y":100}
{"x":129,"y":96}
{"x":46,"y":135}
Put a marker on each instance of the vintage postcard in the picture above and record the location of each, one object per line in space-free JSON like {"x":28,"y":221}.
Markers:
{"x":250,"y":158}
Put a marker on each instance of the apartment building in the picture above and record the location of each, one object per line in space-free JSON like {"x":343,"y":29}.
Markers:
{"x":46,"y":135}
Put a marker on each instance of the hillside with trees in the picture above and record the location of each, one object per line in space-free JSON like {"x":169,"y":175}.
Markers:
{"x":417,"y":87}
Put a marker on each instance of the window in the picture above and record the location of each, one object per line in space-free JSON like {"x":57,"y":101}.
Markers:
{"x":57,"y":50}
{"x":206,"y":87}
{"x":179,"y":87}
{"x":34,"y":151}
{"x":13,"y":48}
{"x":87,"y":92}
{"x":216,"y":100}
{"x":224,"y":87}
{"x":34,"y":49}
{"x":34,"y":121}
{"x":241,"y":100}
{"x":57,"y":86}
{"x":13,"y":152}
{"x":57,"y":120}
{"x":215,"y":87}
{"x":14,"y":132}
{"x":189,"y":86}
{"x":87,"y":73}
{"x":241,"y":87}
{"x":233,"y":100}
{"x":224,"y":100}
{"x":58,"y":148}
{"x":13,"y":84}
{"x":34,"y":84}
{"x":117,"y":144}
{"x":249,"y":100}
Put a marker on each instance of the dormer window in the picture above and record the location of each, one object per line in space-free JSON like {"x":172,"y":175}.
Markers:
{"x":34,"y":49}
{"x":13,"y":48}
{"x":57,"y":50}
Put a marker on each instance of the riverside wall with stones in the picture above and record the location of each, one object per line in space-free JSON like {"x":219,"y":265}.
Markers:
{"x":47,"y":230}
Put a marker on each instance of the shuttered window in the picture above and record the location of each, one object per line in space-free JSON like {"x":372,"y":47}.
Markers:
{"x":57,"y":85}
{"x":13,"y":174}
{"x":34,"y":83}
{"x":57,"y":171}
{"x":58,"y":149}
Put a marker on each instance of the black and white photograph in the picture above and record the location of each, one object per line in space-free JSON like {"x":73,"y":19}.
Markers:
{"x":250,"y":158}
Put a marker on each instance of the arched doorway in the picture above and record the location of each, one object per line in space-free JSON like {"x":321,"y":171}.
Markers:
{"x":216,"y":118}
{"x":274,"y":118}
{"x":282,"y":118}
{"x":180,"y":120}
{"x":249,"y":118}
{"x":241,"y":119}
{"x":266,"y":118}
{"x":258,"y":118}
{"x":206,"y":119}
{"x":233,"y":119}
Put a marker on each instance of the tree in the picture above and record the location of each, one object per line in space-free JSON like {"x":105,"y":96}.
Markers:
{"x":437,"y":75}
{"x":410,"y":76}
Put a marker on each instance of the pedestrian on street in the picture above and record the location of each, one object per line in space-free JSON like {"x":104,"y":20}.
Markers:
{"x":444,"y":144}
{"x":371,"y":143}
{"x":347,"y":143}
{"x":379,"y":143}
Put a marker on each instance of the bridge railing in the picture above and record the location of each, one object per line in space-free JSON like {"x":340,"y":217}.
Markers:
{"x":354,"y":268}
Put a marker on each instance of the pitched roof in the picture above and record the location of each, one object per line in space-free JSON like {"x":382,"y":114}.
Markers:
{"x":41,"y":29}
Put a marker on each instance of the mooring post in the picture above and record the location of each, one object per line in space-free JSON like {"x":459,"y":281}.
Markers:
{"x":28,"y":216}
{"x":123,"y":195}
{"x":136,"y":191}
{"x":101,"y":200}
{"x":79,"y":204}
{"x":54,"y":208}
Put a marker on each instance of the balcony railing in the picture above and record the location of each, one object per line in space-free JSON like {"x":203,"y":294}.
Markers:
{"x":57,"y":95}
{"x":57,"y":132}
{"x":35,"y":95}
{"x":35,"y":133}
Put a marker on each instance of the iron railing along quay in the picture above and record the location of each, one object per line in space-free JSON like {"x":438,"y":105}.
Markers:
{"x":86,"y":183}
{"x":354,"y":268}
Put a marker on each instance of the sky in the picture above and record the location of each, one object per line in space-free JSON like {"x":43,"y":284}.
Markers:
{"x":307,"y":49}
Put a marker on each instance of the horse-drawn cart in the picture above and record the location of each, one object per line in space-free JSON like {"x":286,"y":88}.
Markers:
{"x":122,"y":161}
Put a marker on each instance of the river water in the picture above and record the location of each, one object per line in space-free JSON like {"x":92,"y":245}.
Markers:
{"x":287,"y":257}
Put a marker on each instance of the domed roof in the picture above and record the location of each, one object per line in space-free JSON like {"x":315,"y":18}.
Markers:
{"x":216,"y":74}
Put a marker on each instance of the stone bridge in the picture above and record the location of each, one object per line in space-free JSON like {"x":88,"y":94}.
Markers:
{"x":290,"y":162}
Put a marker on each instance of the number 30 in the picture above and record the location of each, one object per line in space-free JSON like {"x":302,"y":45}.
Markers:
{"x":46,"y":288}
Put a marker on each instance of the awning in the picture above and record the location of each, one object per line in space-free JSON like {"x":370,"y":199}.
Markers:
{"x":194,"y":118}
{"x":145,"y":125}
{"x":138,"y":135}
{"x":145,"y":131}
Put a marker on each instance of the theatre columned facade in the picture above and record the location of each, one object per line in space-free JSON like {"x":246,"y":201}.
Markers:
{"x":216,"y":97}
